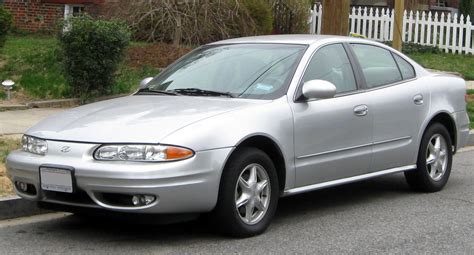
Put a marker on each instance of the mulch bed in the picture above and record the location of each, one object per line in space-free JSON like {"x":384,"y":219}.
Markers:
{"x":470,"y":98}
{"x":155,"y":55}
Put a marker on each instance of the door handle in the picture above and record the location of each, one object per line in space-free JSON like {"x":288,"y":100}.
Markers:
{"x":418,"y":99}
{"x":361,"y":110}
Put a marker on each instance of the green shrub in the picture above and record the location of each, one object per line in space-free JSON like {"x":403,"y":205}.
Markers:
{"x":411,"y":48}
{"x":261,"y":13}
{"x":92,"y":51}
{"x":5,"y":25}
{"x":291,"y":16}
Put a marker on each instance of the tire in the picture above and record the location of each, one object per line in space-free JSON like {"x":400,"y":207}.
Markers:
{"x":433,"y":169}
{"x":251,"y":218}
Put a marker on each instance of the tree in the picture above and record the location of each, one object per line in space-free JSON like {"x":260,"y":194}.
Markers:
{"x":193,"y":22}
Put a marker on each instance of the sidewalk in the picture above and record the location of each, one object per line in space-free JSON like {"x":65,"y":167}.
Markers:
{"x":469,"y":84}
{"x":17,"y":122}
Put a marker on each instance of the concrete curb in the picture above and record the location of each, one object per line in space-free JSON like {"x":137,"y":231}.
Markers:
{"x":60,"y":103}
{"x":15,"y":207}
{"x":13,"y":107}
{"x":57,"y":103}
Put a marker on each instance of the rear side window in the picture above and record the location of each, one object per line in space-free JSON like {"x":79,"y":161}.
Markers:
{"x":378,"y":65}
{"x":406,"y":68}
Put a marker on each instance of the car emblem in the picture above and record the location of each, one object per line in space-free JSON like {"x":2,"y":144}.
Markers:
{"x":65,"y":149}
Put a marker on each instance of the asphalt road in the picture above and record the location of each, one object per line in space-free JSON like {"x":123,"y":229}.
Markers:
{"x":375,"y":216}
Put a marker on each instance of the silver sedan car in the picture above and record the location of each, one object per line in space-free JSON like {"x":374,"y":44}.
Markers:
{"x":234,"y":125}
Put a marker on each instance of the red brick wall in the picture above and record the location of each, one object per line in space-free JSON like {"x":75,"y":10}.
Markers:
{"x":43,"y":15}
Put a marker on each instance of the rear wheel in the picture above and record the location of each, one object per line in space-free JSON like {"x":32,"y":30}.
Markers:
{"x":248,"y":194}
{"x":434,"y":160}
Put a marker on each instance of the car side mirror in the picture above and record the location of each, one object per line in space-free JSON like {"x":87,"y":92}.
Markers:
{"x":318,"y":89}
{"x":145,"y":82}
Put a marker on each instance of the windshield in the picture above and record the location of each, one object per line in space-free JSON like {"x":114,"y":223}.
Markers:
{"x":260,"y":71}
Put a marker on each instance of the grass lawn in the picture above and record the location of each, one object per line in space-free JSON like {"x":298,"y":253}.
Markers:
{"x":463,"y":64}
{"x":470,"y":111}
{"x":34,"y":63}
{"x":6,"y":145}
{"x":470,"y":106}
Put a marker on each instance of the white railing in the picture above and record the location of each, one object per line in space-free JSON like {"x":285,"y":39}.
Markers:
{"x":449,"y":33}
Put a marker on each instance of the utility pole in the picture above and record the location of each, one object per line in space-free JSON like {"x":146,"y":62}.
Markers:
{"x":336,"y":17}
{"x":398,"y":27}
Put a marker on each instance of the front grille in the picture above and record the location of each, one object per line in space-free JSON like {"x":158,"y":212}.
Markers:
{"x":78,"y":197}
{"x":117,"y":199}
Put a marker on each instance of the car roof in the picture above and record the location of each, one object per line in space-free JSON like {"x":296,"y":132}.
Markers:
{"x":305,"y":39}
{"x":311,"y":39}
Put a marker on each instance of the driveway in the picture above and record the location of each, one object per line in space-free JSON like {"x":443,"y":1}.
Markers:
{"x":376,"y":216}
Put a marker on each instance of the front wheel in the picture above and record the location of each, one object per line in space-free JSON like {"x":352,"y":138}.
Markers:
{"x":434,"y":160}
{"x":248,"y":194}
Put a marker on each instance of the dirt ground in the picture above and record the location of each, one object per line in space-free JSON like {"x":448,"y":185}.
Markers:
{"x":6,"y":187}
{"x":154,"y":55}
{"x":6,"y":145}
{"x":470,"y":98}
{"x":17,"y":97}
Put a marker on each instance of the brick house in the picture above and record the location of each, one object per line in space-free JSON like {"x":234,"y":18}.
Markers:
{"x":44,"y":15}
{"x":425,"y":5}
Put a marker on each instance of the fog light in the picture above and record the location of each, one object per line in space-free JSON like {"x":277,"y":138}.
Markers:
{"x":136,"y":200}
{"x":147,"y":199}
{"x":141,"y":200}
{"x":22,"y":186}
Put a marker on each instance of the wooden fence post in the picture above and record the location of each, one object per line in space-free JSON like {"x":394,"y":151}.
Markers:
{"x":398,"y":25}
{"x":336,"y":17}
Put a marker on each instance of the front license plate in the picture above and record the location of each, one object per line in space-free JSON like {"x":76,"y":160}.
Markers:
{"x":56,"y":179}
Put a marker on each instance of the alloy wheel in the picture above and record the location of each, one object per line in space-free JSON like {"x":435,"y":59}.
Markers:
{"x":436,"y":157}
{"x":252,"y":194}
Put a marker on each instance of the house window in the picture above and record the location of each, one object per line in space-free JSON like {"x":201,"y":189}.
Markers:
{"x":72,"y":10}
{"x":441,"y":3}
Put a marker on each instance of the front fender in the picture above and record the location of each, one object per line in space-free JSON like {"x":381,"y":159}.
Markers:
{"x":273,"y":120}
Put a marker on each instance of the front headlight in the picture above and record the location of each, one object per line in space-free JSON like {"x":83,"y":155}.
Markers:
{"x":142,"y":152}
{"x":34,"y":145}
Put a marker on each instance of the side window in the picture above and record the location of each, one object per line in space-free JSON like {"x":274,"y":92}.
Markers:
{"x":406,"y":68}
{"x":330,"y":63}
{"x":377,"y":64}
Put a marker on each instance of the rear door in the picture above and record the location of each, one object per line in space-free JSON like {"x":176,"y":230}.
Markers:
{"x":399,"y":104}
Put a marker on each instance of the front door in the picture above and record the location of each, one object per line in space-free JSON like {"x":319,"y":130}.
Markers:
{"x":332,"y":136}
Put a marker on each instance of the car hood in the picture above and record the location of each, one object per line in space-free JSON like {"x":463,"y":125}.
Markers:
{"x":133,"y":119}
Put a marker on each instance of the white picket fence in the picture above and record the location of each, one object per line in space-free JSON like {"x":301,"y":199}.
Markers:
{"x":449,"y":33}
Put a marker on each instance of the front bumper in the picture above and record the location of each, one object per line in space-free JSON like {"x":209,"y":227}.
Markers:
{"x":185,"y":186}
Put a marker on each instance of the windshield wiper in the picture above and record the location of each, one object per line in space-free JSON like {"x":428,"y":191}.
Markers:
{"x":201,"y":92}
{"x":147,"y":91}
